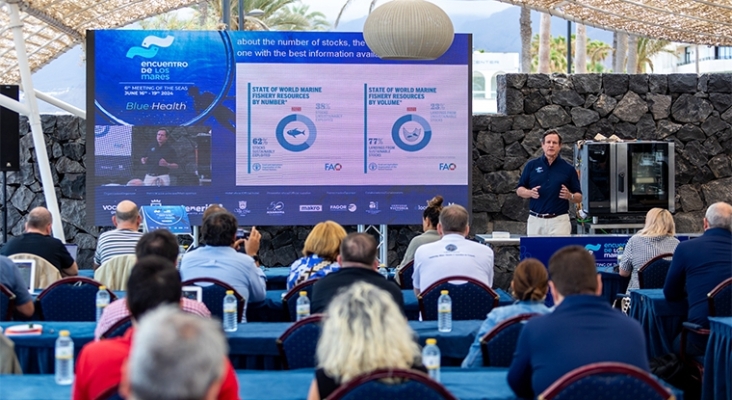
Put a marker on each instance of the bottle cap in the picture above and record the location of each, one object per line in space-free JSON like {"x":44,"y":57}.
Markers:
{"x":431,"y":341}
{"x":102,"y":287}
{"x":443,"y":291}
{"x":303,"y":293}
{"x":63,"y":333}
{"x":229,"y":292}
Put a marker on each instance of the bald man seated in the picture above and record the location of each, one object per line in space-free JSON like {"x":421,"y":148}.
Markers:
{"x":123,"y":239}
{"x":37,"y":240}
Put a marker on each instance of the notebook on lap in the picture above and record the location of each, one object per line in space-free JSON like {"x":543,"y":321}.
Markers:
{"x":28,"y":272}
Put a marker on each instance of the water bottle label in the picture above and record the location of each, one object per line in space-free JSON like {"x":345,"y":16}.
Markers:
{"x":303,"y":310}
{"x":102,"y":303}
{"x":229,"y":309}
{"x":431,"y":362}
{"x":65,"y":353}
{"x":444,"y":308}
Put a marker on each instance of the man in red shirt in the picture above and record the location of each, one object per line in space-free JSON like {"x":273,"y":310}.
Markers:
{"x":154,"y":281}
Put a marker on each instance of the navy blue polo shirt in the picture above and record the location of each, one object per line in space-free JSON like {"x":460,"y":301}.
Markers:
{"x":538,"y":172}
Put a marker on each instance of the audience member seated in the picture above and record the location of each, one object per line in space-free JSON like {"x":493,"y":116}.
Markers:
{"x":11,"y":278}
{"x":656,"y":237}
{"x":154,"y":281}
{"x":528,"y":287}
{"x":210,"y":210}
{"x":37,"y":240}
{"x":698,"y":266}
{"x":364,"y":331}
{"x":175,"y":356}
{"x":159,"y":242}
{"x":219,"y":259}
{"x":320,"y":254}
{"x":122,"y":240}
{"x":583,"y":328}
{"x":430,"y":219}
{"x":453,"y":254}
{"x":358,"y":264}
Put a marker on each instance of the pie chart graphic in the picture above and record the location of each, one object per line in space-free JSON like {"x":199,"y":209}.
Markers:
{"x":411,"y":133}
{"x":293,"y":126}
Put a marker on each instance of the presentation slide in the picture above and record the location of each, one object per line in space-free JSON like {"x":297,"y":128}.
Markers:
{"x":281,"y":128}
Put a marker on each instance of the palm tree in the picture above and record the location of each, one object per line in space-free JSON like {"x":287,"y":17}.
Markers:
{"x":580,"y":60}
{"x":317,"y":19}
{"x":596,"y":51}
{"x":545,"y":35}
{"x":647,"y":48}
{"x":348,"y":3}
{"x":525,"y":29}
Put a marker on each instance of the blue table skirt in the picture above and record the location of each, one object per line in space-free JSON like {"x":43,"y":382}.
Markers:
{"x":465,"y":384}
{"x":661,"y":320}
{"x":252,"y":346}
{"x":718,"y":360}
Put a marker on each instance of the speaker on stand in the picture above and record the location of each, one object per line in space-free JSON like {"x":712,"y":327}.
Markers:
{"x":9,"y":147}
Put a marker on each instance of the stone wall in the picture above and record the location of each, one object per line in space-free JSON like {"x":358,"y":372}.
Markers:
{"x":694,"y":111}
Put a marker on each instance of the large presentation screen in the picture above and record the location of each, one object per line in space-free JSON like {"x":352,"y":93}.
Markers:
{"x":281,"y":128}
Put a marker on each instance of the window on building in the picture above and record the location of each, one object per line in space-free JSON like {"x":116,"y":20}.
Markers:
{"x":478,"y":85}
{"x":687,"y":55}
{"x":722,"y":53}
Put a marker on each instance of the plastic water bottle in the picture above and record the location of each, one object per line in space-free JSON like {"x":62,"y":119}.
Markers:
{"x":102,"y":301}
{"x":431,"y":359}
{"x":383,"y":271}
{"x":230,"y":323}
{"x":444,"y":312}
{"x":303,"y":305}
{"x":64,"y":359}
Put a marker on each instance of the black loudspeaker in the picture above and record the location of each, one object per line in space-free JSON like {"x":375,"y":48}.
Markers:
{"x":9,"y":132}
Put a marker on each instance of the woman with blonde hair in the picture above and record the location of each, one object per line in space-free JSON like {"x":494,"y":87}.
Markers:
{"x":656,"y":237}
{"x":320,"y":252}
{"x":529,"y":286}
{"x":363,"y":330}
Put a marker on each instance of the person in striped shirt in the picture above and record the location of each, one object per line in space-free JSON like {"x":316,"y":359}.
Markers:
{"x":121,"y":241}
{"x":656,"y":237}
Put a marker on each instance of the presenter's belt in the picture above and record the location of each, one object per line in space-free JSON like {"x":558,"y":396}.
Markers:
{"x":546,"y":216}
{"x":154,"y":175}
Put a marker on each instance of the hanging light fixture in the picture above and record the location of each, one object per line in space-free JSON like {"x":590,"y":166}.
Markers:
{"x":408,"y":30}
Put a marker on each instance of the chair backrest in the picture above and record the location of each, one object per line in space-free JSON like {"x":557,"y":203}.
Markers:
{"x":652,"y":274}
{"x":115,"y":272}
{"x":405,"y":276}
{"x":290,"y":300}
{"x":297,"y":345}
{"x":392,"y":384}
{"x":110,"y":394}
{"x":214,"y":291}
{"x":118,"y":328}
{"x":470,"y":300}
{"x":499,"y":344}
{"x":46,"y":273}
{"x":7,"y":303}
{"x":71,"y":299}
{"x":720,"y":299}
{"x":606,"y":381}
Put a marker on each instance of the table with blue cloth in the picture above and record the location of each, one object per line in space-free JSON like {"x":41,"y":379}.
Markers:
{"x":87,"y":273}
{"x":612,"y":283}
{"x":277,"y":277}
{"x":661,"y":320}
{"x":271,"y":309}
{"x":716,"y":383}
{"x":252,"y":346}
{"x":465,"y":384}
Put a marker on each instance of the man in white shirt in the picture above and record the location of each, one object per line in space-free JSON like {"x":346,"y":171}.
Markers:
{"x":453,"y":255}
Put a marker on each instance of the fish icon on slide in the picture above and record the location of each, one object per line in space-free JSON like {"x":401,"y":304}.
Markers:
{"x":413,"y":135}
{"x":295,"y":132}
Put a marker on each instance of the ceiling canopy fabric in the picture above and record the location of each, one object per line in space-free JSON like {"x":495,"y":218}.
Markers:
{"x":51,"y":27}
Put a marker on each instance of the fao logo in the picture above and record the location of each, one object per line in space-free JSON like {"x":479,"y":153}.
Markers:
{"x":373,"y":167}
{"x":333,"y":167}
{"x":448,"y":166}
{"x":256,"y":167}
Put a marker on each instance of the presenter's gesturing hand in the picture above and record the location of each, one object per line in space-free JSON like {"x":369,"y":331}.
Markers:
{"x":565,"y":194}
{"x":535,"y":192}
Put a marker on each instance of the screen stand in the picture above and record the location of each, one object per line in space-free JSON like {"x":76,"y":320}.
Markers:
{"x":383,"y":233}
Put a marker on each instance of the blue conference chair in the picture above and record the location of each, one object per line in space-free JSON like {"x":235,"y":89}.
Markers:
{"x":470,"y":300}
{"x":607,"y":381}
{"x":720,"y":299}
{"x":118,"y":328}
{"x":392,"y":384}
{"x":213,"y":292}
{"x":290,"y":300}
{"x":71,"y":299}
{"x":297,"y":345}
{"x":405,"y":276}
{"x":7,"y":303}
{"x":499,"y":344}
{"x":652,"y":274}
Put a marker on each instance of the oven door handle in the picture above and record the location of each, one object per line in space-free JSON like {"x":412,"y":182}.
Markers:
{"x":621,"y":183}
